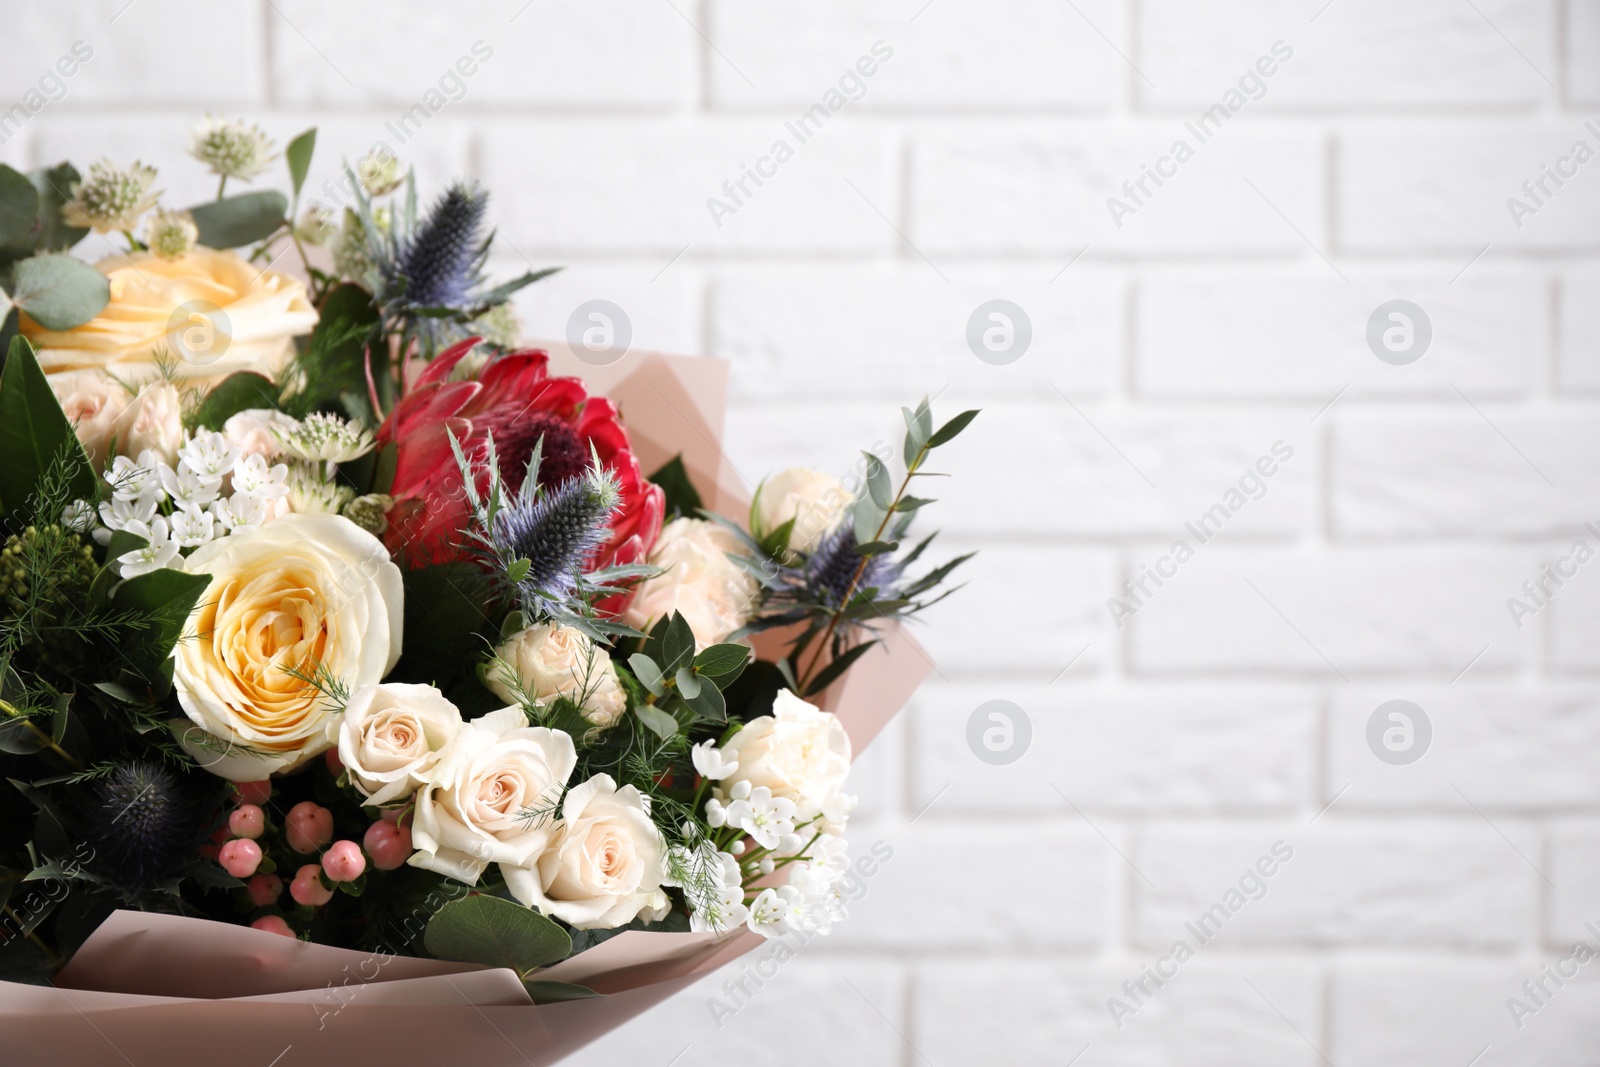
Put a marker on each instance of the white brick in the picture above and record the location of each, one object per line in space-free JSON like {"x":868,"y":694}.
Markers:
{"x":1258,"y":334}
{"x":151,"y":52}
{"x":1366,"y":53}
{"x":1582,"y":41}
{"x":844,"y":1024}
{"x":1445,"y":187}
{"x":1024,"y":1014}
{"x":762,"y":438}
{"x":1147,"y":750}
{"x":920,"y":897}
{"x":1458,"y":471}
{"x":1574,"y":867}
{"x":1499,"y":748}
{"x":1044,"y":190}
{"x":1419,"y":609}
{"x":959,"y":54}
{"x":1442,"y":1015}
{"x":601,"y":52}
{"x":1580,"y":329}
{"x":663,"y":312}
{"x":628,"y":186}
{"x":1436,"y":883}
{"x":1573,"y":610}
{"x":890,"y":325}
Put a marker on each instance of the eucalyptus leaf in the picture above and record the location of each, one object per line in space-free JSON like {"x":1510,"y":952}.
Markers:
{"x":556,"y":992}
{"x":649,"y":675}
{"x":59,"y":292}
{"x":718,"y":660}
{"x":688,"y":684}
{"x":708,"y":703}
{"x":496,"y":933}
{"x":878,"y":484}
{"x":19,"y":209}
{"x":948,"y":431}
{"x":55,"y":190}
{"x":240,"y":220}
{"x":660,"y":723}
{"x":298,"y":156}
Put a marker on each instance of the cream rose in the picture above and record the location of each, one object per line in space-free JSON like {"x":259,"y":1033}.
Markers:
{"x":604,"y":864}
{"x":153,"y":420}
{"x":558,"y":661}
{"x":252,"y":431}
{"x":92,"y":401}
{"x":261,"y":312}
{"x":392,"y":735}
{"x":799,"y":751}
{"x":715,"y":594}
{"x":814,"y":500}
{"x":302,"y":593}
{"x":491,"y":798}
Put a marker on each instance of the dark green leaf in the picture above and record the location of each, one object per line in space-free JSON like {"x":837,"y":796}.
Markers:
{"x":496,"y":933}
{"x":298,"y":156}
{"x":449,"y":610}
{"x":829,"y":674}
{"x":19,"y":210}
{"x":877,"y":548}
{"x":649,"y":675}
{"x":335,"y":362}
{"x":59,"y":292}
{"x":240,"y":220}
{"x":681,"y":496}
{"x":677,"y":645}
{"x":708,"y":703}
{"x":951,"y":428}
{"x":18,"y":738}
{"x":165,"y":598}
{"x":55,"y":189}
{"x":34,"y":432}
{"x":556,"y":992}
{"x":718,"y":660}
{"x":240,"y":391}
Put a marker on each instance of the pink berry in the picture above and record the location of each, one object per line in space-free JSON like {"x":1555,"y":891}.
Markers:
{"x":308,"y":889}
{"x":247,"y":820}
{"x":387,"y":844}
{"x":308,"y":826}
{"x":254,"y":792}
{"x":264,"y":889}
{"x":343,"y":862}
{"x":273,"y":924}
{"x":240,"y":857}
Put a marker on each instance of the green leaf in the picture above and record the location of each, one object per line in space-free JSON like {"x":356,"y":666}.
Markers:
{"x":832,"y":671}
{"x":877,"y":548}
{"x":17,"y":739}
{"x":240,"y":220}
{"x":59,"y":292}
{"x":335,"y":362}
{"x":298,"y":156}
{"x":948,"y":431}
{"x":868,"y":519}
{"x":55,"y":190}
{"x":34,"y":432}
{"x":681,"y":496}
{"x":708,"y":703}
{"x":878,"y":484}
{"x":166,"y":597}
{"x":649,"y":675}
{"x":239,"y":391}
{"x":19,"y":210}
{"x":556,"y":992}
{"x":500,"y":293}
{"x":448,"y":622}
{"x":718,"y":660}
{"x":496,"y":933}
{"x":518,"y":570}
{"x":659,"y":722}
{"x":687,"y":683}
{"x":677,"y":644}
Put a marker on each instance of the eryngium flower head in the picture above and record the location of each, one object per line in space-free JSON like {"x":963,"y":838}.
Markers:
{"x":439,"y":265}
{"x":829,"y":571}
{"x":143,"y":823}
{"x":111,"y":198}
{"x":556,"y":531}
{"x":170,"y":234}
{"x":232,"y":148}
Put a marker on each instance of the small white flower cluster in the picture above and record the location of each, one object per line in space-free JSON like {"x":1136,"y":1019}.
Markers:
{"x":214,"y":490}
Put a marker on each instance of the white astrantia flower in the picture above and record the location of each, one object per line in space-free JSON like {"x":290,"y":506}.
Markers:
{"x":253,"y":477}
{"x":192,"y":527}
{"x":209,"y":454}
{"x":316,"y":226}
{"x":158,"y":553}
{"x":170,"y":234}
{"x":109,"y":198}
{"x":309,"y":491}
{"x":232,"y":148}
{"x":711,"y":761}
{"x":766,"y":818}
{"x":321,"y":436}
{"x":379,"y":172}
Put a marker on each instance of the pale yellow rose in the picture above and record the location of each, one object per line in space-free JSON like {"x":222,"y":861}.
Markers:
{"x":549,"y":661}
{"x":152,"y":421}
{"x":302,"y":593}
{"x":92,"y":401}
{"x":813,"y":500}
{"x":799,"y":751}
{"x":210,"y":313}
{"x":698,"y":579}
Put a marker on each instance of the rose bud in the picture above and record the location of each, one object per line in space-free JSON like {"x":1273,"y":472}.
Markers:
{"x":264,"y":889}
{"x":308,"y":826}
{"x":388,"y":845}
{"x":273,"y":924}
{"x":240,"y":857}
{"x":343,"y":862}
{"x":308,"y":889}
{"x":247,"y":820}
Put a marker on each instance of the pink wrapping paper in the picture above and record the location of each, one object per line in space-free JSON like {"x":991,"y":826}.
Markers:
{"x":149,"y":989}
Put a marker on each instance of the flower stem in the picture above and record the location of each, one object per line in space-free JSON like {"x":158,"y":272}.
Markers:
{"x":55,"y":961}
{"x":221,"y":185}
{"x":44,"y":738}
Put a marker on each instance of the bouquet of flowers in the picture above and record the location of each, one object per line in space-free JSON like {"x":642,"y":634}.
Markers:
{"x":328,"y":611}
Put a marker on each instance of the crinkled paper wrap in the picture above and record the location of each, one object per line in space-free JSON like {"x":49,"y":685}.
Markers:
{"x":166,"y":991}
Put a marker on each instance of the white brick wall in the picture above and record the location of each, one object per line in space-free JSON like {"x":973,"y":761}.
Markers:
{"x":1227,"y":311}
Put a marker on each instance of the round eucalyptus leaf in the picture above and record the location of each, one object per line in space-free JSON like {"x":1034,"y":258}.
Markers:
{"x":59,"y":292}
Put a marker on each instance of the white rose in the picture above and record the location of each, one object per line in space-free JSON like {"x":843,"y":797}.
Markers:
{"x":299,"y":594}
{"x":491,"y":798}
{"x":152,"y":420}
{"x":814,"y":500}
{"x":92,"y":401}
{"x":251,"y":431}
{"x":799,"y":751}
{"x":558,"y":661}
{"x":715,"y":594}
{"x":392,"y":735}
{"x":603,"y":866}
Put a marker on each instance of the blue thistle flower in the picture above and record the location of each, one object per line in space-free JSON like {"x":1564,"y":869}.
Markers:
{"x":440,"y":264}
{"x":557,"y":531}
{"x":827,"y":572}
{"x":144,"y":822}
